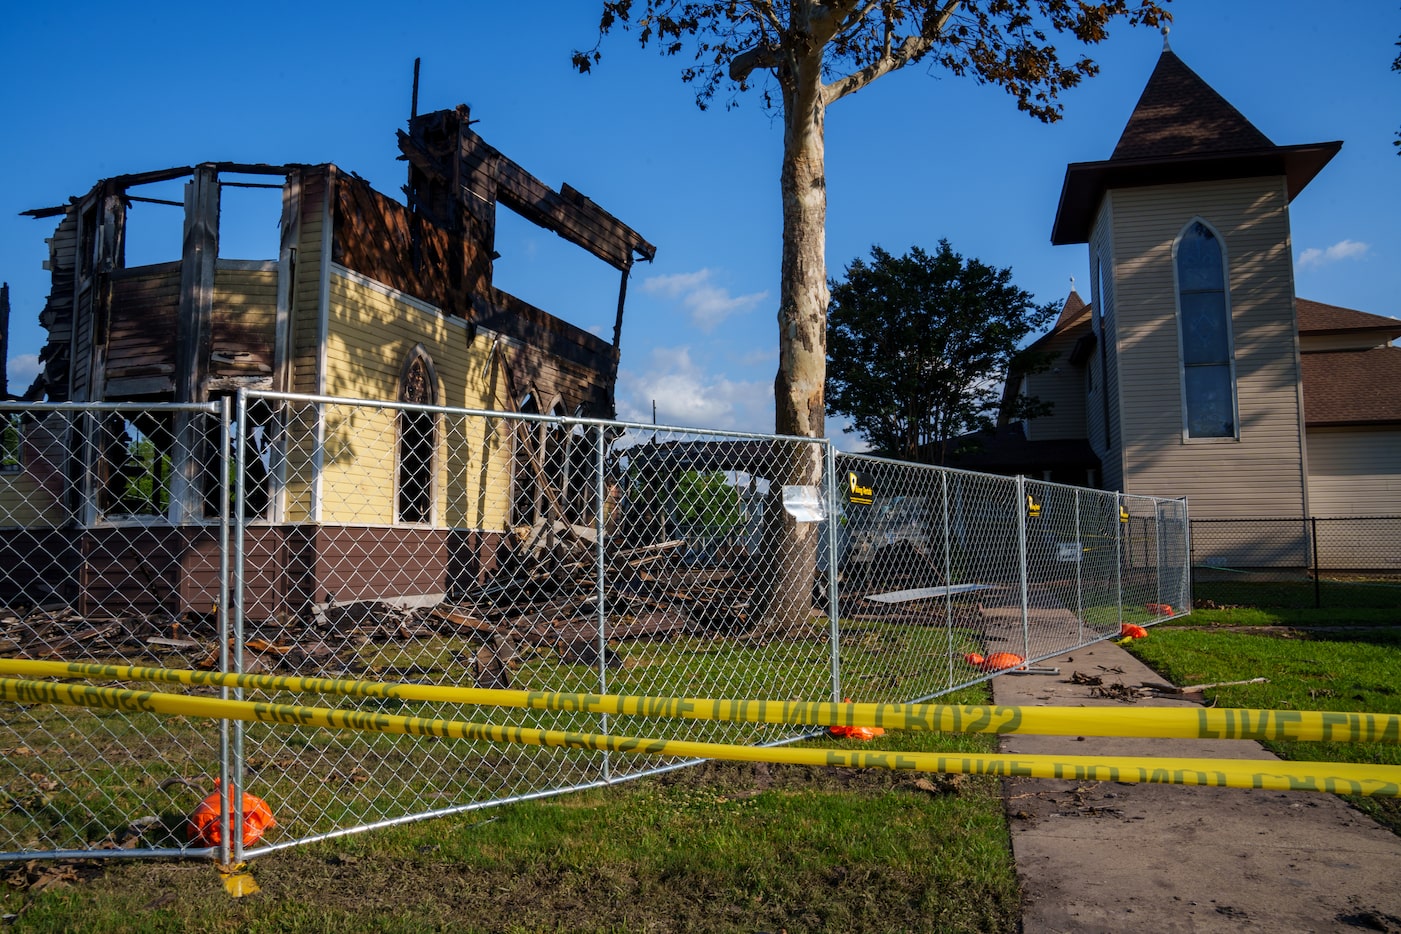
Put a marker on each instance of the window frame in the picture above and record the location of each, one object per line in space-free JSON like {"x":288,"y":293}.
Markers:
{"x":1230,"y":362}
{"x":13,"y":432}
{"x":416,"y":357}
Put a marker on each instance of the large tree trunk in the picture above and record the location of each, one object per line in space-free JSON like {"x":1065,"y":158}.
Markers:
{"x":802,"y":342}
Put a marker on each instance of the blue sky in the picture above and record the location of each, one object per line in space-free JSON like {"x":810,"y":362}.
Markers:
{"x":92,"y":90}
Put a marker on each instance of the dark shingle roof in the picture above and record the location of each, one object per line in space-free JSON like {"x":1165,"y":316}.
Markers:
{"x":1180,"y":131}
{"x":1179,"y":114}
{"x":1318,"y":318}
{"x":1074,"y":307}
{"x":1334,"y":387}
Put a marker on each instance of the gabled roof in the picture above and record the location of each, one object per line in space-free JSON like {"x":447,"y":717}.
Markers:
{"x":1073,"y":308}
{"x":1181,"y":130}
{"x":1334,"y":384}
{"x":1318,"y":318}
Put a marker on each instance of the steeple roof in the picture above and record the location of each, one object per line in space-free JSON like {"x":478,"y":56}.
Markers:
{"x":1181,"y":130}
{"x":1179,"y":114}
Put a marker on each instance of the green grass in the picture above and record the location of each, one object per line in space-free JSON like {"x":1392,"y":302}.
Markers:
{"x":719,"y":846}
{"x":1334,"y":667}
{"x":1299,"y":594}
{"x":119,"y":767}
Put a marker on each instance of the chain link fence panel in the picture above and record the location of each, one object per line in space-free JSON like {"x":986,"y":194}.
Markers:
{"x":1338,"y":561}
{"x":113,"y":535}
{"x":401,"y":543}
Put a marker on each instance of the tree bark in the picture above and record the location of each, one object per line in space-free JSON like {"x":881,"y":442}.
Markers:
{"x":802,"y":357}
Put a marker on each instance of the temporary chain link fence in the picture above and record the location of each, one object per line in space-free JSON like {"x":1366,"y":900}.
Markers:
{"x":296,"y":535}
{"x":1318,"y":561}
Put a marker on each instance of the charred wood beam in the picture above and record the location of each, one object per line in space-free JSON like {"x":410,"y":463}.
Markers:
{"x":118,"y":182}
{"x":479,"y":174}
{"x":568,"y":213}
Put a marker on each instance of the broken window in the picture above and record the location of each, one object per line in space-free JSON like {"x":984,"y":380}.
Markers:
{"x":11,"y":438}
{"x":136,"y":465}
{"x":250,"y":210}
{"x":417,"y":439}
{"x":258,"y":453}
{"x":525,"y":504}
{"x":155,"y":223}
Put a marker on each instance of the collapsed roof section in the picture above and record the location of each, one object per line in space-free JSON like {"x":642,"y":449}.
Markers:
{"x":200,"y":320}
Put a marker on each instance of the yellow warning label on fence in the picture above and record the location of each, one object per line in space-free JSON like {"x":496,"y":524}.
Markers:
{"x":1342,"y":778}
{"x":1153,"y":722}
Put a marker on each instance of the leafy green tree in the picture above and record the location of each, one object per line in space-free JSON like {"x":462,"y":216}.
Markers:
{"x":708,"y":499}
{"x":804,"y":55}
{"x":918,"y":347}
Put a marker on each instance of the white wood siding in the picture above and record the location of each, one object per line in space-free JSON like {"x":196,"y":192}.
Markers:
{"x":1355,"y":471}
{"x":1261,"y":473}
{"x":1063,"y":386}
{"x":1102,"y":405}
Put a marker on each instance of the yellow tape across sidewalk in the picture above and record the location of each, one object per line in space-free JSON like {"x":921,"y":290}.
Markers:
{"x":1153,"y":722}
{"x":1233,"y":773}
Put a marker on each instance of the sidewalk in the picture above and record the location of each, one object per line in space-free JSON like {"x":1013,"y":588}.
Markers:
{"x":1101,"y":856}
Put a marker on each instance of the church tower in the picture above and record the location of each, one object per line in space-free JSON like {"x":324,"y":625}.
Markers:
{"x":1194,"y":386}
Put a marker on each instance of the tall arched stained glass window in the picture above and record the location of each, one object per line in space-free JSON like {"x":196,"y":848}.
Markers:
{"x":1204,"y":328}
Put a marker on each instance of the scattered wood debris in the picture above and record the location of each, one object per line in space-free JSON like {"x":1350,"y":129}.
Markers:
{"x":1198,"y":688}
{"x":1117,"y":691}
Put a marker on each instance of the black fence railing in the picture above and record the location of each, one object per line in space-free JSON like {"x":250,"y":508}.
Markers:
{"x":1315,"y":561}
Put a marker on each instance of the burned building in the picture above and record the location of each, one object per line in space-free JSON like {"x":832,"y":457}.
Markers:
{"x":365,"y":298}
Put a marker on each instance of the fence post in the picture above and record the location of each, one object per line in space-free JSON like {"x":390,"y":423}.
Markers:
{"x":833,"y":603}
{"x":1317,"y":585}
{"x":231,"y":632}
{"x":1119,"y":524}
{"x":1079,"y":576}
{"x":948,"y":571}
{"x":1021,"y":553}
{"x":601,"y":565}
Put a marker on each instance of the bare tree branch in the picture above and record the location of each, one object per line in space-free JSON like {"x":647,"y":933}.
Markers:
{"x":911,"y":49}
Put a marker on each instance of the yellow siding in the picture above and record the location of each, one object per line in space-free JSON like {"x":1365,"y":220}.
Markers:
{"x":24,"y":503}
{"x":305,"y":347}
{"x":1260,"y":474}
{"x":371,"y":332}
{"x":248,"y":291}
{"x":33,"y":497}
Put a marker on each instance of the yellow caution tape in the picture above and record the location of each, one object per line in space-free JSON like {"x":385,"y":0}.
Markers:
{"x":1154,"y":722}
{"x":1342,"y":778}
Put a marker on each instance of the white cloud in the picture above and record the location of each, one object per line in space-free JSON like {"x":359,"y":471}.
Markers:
{"x":688,"y":396}
{"x":21,"y":371}
{"x":1343,"y":249}
{"x":708,"y":304}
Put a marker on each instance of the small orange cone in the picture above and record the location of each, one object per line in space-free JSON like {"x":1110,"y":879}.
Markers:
{"x":855,"y":732}
{"x":999,"y":661}
{"x":204,"y":822}
{"x":1130,"y":631}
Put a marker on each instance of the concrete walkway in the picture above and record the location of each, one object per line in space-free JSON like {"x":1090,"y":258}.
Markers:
{"x":1105,"y":856}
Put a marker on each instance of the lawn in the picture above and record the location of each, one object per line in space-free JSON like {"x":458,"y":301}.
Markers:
{"x":724,"y":845}
{"x":720,"y":846}
{"x":1329,"y":659}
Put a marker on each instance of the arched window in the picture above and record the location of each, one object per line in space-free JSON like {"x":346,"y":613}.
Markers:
{"x":525,"y":501}
{"x":418,"y":439}
{"x":1204,"y":330}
